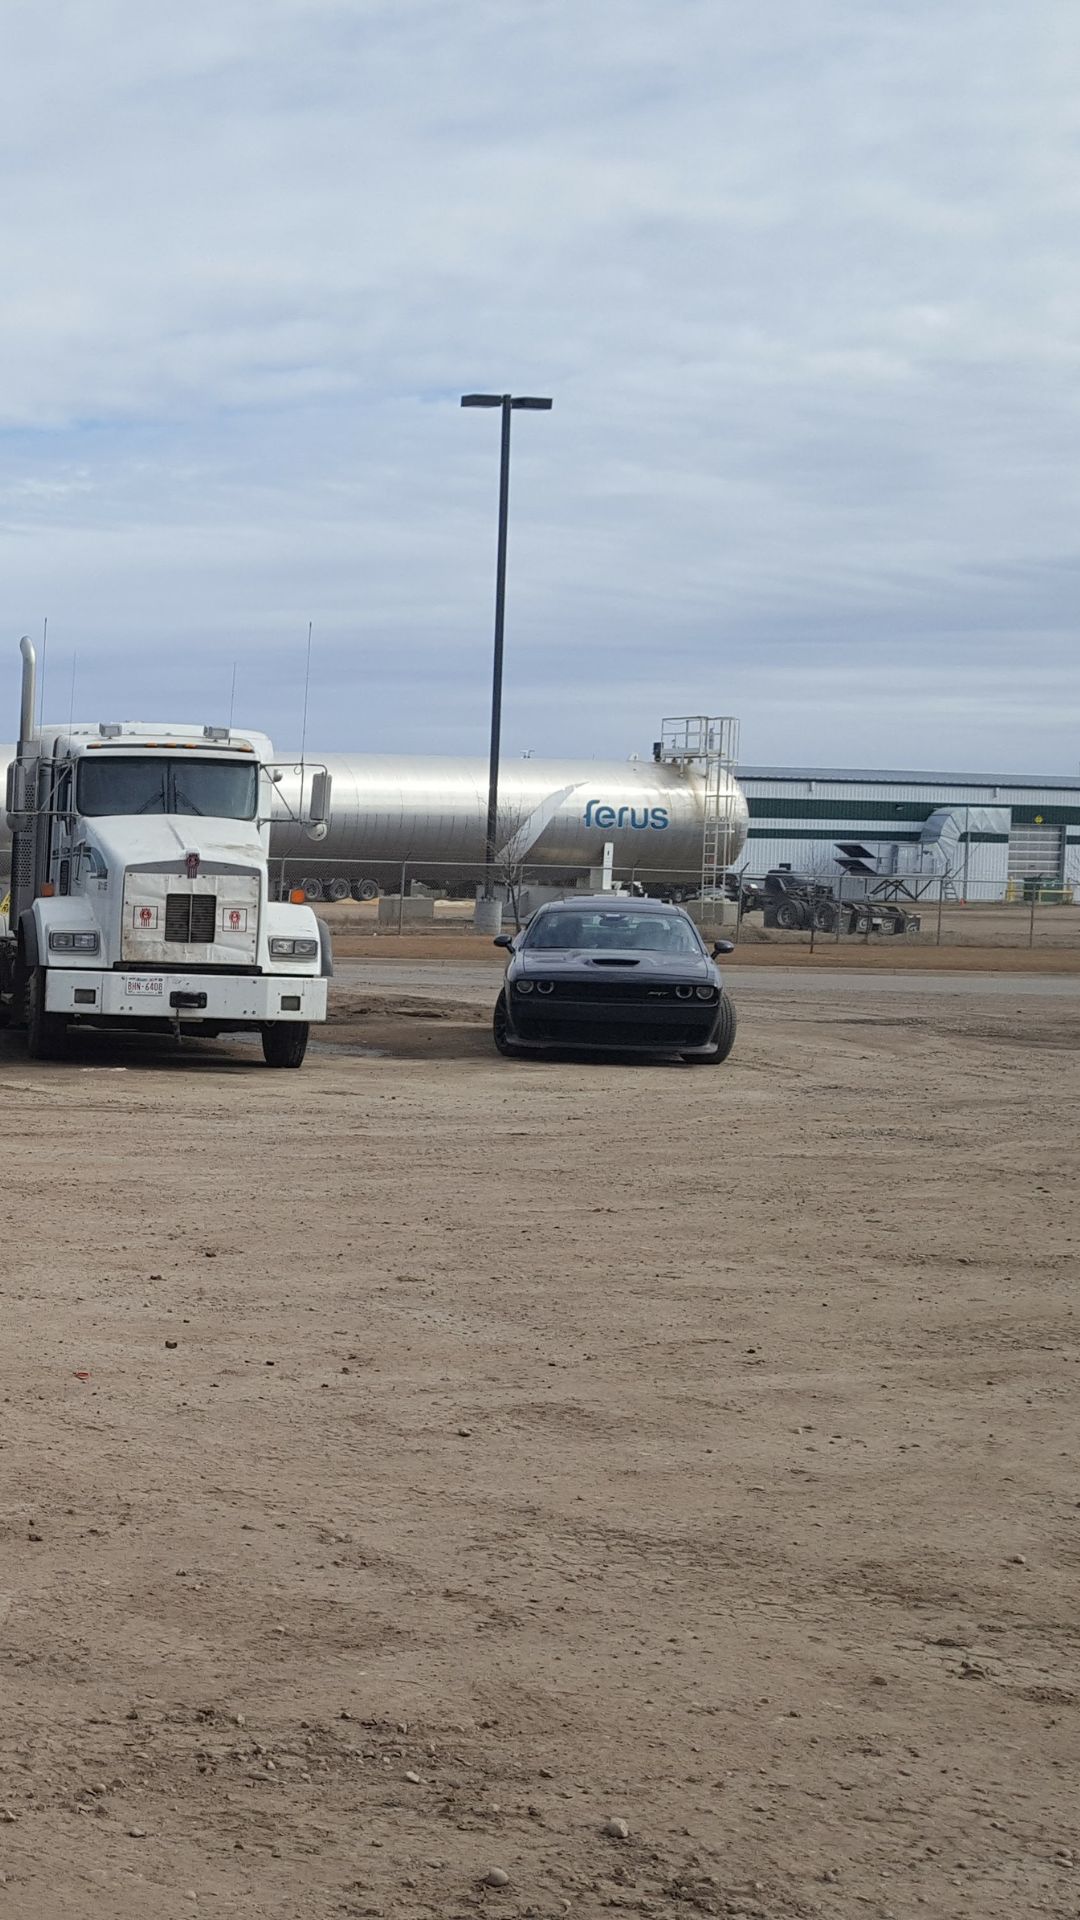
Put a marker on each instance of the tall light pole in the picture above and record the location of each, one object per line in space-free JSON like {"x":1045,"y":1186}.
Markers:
{"x":507,"y":402}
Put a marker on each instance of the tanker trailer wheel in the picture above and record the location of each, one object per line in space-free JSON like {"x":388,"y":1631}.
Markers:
{"x":503,"y":1044}
{"x":338,"y":889}
{"x":789,"y":915}
{"x":725,"y":1035}
{"x":366,"y":890}
{"x":312,"y":889}
{"x":46,"y":1033}
{"x":285,"y":1043}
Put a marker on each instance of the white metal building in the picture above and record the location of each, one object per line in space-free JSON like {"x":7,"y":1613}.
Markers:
{"x":987,"y":833}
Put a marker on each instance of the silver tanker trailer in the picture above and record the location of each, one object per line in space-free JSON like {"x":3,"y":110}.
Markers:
{"x":428,"y":815}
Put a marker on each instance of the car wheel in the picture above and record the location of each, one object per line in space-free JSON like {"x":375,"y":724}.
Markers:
{"x":285,"y":1043}
{"x":503,"y":1044}
{"x":725,"y":1037}
{"x":46,"y":1033}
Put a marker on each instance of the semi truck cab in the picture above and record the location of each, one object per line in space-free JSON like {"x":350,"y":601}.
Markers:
{"x":139,"y":887}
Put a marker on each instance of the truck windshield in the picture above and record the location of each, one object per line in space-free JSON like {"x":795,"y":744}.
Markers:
{"x":156,"y":784}
{"x":633,"y":932}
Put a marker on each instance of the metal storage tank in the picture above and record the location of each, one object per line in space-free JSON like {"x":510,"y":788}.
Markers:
{"x":558,"y":814}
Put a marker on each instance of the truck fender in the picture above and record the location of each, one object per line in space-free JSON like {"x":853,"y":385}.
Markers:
{"x":28,"y":939}
{"x":326,"y":956}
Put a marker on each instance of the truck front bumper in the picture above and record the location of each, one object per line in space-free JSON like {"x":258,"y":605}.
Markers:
{"x":228,"y":1000}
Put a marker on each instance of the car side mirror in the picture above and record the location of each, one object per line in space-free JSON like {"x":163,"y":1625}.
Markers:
{"x":722,"y":946}
{"x":503,"y":940}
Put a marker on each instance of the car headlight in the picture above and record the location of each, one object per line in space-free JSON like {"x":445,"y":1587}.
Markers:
{"x":523,"y":986}
{"x":545,"y":986}
{"x":282,"y":949}
{"x":73,"y":942}
{"x":684,"y":993}
{"x":705,"y":993}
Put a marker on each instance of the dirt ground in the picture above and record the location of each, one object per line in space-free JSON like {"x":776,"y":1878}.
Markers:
{"x":415,"y":1464}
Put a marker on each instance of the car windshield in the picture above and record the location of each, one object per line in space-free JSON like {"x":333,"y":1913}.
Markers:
{"x":154,"y":783}
{"x":623,"y":932}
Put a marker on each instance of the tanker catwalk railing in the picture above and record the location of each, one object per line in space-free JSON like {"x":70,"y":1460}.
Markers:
{"x":392,"y":897}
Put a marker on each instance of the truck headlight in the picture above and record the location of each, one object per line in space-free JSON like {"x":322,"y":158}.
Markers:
{"x":282,"y":949}
{"x":73,"y":943}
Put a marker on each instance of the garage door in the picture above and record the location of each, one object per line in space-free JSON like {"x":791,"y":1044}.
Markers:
{"x":1036,"y":850}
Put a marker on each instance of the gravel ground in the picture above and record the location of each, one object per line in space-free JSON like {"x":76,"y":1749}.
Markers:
{"x":436,"y":1485}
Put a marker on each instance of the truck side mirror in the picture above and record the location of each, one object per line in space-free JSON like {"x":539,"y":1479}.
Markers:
{"x":319,"y":818}
{"x":17,"y":795}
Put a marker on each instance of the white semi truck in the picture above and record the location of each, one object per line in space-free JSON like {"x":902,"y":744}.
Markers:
{"x":139,"y":891}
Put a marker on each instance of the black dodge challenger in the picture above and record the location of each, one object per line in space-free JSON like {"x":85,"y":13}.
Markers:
{"x":627,"y":976}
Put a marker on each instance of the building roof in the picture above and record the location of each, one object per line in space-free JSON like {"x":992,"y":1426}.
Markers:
{"x":888,"y":777}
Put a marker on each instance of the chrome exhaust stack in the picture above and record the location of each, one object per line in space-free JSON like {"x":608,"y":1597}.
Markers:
{"x":29,"y":692}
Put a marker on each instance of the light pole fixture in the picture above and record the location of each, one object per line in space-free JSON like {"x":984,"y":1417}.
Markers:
{"x":507,"y":402}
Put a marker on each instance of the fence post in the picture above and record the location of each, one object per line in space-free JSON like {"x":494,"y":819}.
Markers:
{"x":940,"y":905}
{"x":839,"y":908}
{"x":401,"y":899}
{"x":1031,"y":928}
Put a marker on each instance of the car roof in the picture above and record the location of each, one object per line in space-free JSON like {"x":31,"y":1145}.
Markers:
{"x":608,"y":903}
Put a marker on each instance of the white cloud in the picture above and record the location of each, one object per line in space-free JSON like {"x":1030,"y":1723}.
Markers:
{"x":802,"y":282}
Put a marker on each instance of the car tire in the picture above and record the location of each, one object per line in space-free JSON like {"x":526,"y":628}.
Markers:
{"x":726,"y":1026}
{"x":285,"y":1043}
{"x":503,"y":1044}
{"x":46,"y":1033}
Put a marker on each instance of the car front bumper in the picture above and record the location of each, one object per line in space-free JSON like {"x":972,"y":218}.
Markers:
{"x":622,"y":1027}
{"x":226,"y":999}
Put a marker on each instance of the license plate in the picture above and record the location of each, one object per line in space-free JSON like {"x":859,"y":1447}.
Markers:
{"x":144,"y":983}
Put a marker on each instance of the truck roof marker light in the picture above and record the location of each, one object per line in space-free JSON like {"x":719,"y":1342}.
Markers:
{"x":48,"y":890}
{"x":297,"y":896}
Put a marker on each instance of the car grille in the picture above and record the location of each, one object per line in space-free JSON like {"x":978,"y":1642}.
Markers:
{"x":190,"y":918}
{"x":636,"y":992}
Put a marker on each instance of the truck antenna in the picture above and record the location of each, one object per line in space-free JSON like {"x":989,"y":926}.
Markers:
{"x":41,"y":676}
{"x":74,"y":670}
{"x":232,"y":696}
{"x":303,"y":724}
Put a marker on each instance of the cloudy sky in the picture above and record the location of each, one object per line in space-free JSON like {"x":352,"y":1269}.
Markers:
{"x":802,"y":278}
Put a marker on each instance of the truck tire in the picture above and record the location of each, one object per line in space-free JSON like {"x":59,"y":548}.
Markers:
{"x":285,"y":1043}
{"x":725,"y":1034}
{"x":789,"y":915}
{"x":312,"y":889}
{"x":46,"y":1033}
{"x":338,"y":889}
{"x":825,"y":917}
{"x":366,"y":890}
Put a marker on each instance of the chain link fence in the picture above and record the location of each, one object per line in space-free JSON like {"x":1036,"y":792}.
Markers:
{"x":432,"y":898}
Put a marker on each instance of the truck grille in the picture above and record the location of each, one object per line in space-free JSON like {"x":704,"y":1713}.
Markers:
{"x":190,"y":917}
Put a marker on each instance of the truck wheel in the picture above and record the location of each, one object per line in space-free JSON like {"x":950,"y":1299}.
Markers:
{"x":824,"y":918}
{"x":789,"y":915}
{"x":46,"y":1033}
{"x":338,"y":889}
{"x":725,"y":1034}
{"x":285,"y":1043}
{"x":503,"y":1044}
{"x":312,"y":889}
{"x":366,"y":890}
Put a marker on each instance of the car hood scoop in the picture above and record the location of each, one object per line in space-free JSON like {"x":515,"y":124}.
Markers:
{"x":615,"y":960}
